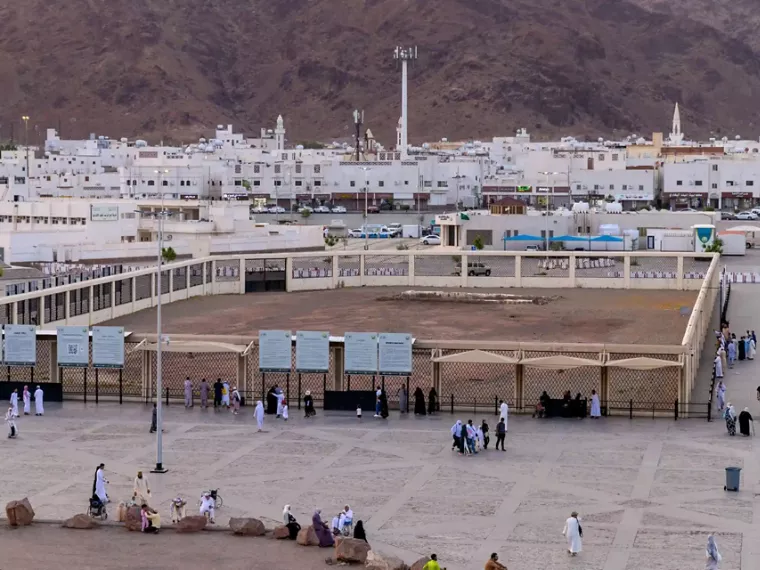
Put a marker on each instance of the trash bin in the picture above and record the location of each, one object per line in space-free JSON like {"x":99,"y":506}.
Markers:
{"x":733,"y":476}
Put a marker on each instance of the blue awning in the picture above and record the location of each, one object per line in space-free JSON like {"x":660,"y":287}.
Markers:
{"x":523,"y":237}
{"x":607,"y":238}
{"x":568,"y":238}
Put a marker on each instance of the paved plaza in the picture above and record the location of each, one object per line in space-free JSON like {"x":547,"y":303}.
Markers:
{"x":648,"y":491}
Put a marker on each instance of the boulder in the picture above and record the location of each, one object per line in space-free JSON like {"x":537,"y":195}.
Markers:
{"x":377,"y":561}
{"x":281,"y":532}
{"x":307,"y":536}
{"x":248,"y":527}
{"x":80,"y":521}
{"x":191,"y":524}
{"x":19,"y":513}
{"x":351,"y":550}
{"x":132,"y":519}
{"x":420,"y":564}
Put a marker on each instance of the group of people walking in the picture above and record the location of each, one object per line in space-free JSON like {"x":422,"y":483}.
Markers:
{"x":12,"y":413}
{"x":729,"y":350}
{"x":469,"y":439}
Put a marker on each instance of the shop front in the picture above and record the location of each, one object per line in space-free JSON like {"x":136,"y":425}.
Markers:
{"x":737,"y":201}
{"x":686,"y":200}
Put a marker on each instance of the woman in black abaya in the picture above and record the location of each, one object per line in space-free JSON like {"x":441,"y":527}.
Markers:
{"x":419,"y":402}
{"x":432,"y":401}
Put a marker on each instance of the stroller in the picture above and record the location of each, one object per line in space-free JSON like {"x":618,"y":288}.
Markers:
{"x":97,"y":508}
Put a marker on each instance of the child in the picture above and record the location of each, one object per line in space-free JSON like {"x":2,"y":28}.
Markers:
{"x":284,"y":410}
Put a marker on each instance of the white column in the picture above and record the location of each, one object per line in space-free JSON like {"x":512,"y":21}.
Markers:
{"x":403,"y":109}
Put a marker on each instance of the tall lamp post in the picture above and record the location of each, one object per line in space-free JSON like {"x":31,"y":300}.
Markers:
{"x":358,"y":121}
{"x":25,"y":118}
{"x":159,"y":340}
{"x":366,"y":207}
{"x":548,"y":197}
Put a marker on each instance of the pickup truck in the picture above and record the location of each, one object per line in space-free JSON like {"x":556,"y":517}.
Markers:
{"x":475,"y":268}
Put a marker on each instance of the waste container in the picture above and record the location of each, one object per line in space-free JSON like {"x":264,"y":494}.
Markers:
{"x":733,"y":476}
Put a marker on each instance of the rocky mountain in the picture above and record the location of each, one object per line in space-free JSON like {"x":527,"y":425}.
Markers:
{"x":173,"y":69}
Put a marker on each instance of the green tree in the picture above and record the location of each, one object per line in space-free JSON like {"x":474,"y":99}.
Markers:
{"x":715,"y":247}
{"x":331,"y":241}
{"x":305,"y":213}
{"x":168,"y":254}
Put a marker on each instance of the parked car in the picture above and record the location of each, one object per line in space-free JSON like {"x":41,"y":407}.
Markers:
{"x":475,"y":268}
{"x":355,"y":233}
{"x":277,"y":210}
{"x":432,"y":239}
{"x":533,"y":248}
{"x":305,"y":209}
{"x":321,"y":210}
{"x":373,"y":210}
{"x":755,"y":211}
{"x":746,"y":216}
{"x":727,"y":216}
{"x":395,"y":229}
{"x":338,"y":210}
{"x":259,"y":210}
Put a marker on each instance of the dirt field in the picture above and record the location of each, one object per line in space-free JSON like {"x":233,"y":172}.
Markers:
{"x":577,"y":315}
{"x":48,"y":547}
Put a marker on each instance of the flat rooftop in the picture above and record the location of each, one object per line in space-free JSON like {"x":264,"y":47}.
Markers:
{"x":572,"y":315}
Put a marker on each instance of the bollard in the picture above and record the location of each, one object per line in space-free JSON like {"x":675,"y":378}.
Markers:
{"x":452,"y":404}
{"x":496,"y":405}
{"x":167,"y":396}
{"x":630,"y":409}
{"x":709,"y":411}
{"x":675,"y":410}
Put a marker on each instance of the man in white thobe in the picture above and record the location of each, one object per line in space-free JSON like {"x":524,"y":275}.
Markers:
{"x":38,"y":407}
{"x":27,"y":398}
{"x":258,"y":413}
{"x":207,"y":506}
{"x":141,"y":490}
{"x":596,"y":408}
{"x":14,"y":403}
{"x":280,"y":397}
{"x":100,"y":484}
{"x":718,"y":366}
{"x":572,"y":532}
{"x":504,"y":413}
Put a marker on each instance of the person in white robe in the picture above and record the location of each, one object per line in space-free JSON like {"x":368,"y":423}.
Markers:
{"x":712,"y":554}
{"x":504,"y":413}
{"x":258,"y":413}
{"x":12,"y":429}
{"x":573,"y":533}
{"x":39,"y":409}
{"x":226,"y":394}
{"x":596,"y":408}
{"x":720,"y":395}
{"x":14,"y":402}
{"x":718,"y":366}
{"x":335,"y":524}
{"x":285,"y":410}
{"x":346,"y":520}
{"x":723,"y":361}
{"x":100,"y":484}
{"x":141,"y":490}
{"x":280,"y":398}
{"x":207,"y":506}
{"x":752,"y":349}
{"x":26,"y":396}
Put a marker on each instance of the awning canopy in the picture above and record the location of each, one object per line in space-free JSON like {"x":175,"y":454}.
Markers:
{"x":643,"y":363}
{"x":196,"y":346}
{"x":744,"y":229}
{"x":559,"y":362}
{"x":478,"y":357}
{"x":607,"y":238}
{"x":523,"y":237}
{"x":568,"y":238}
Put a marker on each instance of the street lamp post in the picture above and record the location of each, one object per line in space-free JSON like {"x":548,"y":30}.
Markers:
{"x":25,"y":118}
{"x":159,"y":340}
{"x":366,"y":207}
{"x":548,"y":196}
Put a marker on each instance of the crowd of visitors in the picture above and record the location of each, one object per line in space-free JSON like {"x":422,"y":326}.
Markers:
{"x":729,"y":351}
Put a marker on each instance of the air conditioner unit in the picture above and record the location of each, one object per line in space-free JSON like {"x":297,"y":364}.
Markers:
{"x":168,"y":237}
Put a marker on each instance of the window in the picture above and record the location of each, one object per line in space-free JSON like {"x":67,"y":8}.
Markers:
{"x":352,"y":184}
{"x":278,"y":182}
{"x":614,"y":158}
{"x":181,"y":182}
{"x":316,"y":169}
{"x":729,"y":182}
{"x":749,"y":183}
{"x":381,"y":183}
{"x":442,"y":184}
{"x":129,"y":182}
{"x":151,"y":182}
{"x":601,"y":158}
{"x":715,"y":167}
{"x":697,"y":183}
{"x":625,"y":186}
{"x":164,"y":183}
{"x":641,"y":186}
{"x":612,"y":186}
{"x":238,"y":183}
{"x":577,"y":186}
{"x":277,"y":168}
{"x":86,"y":178}
{"x":284,"y":156}
{"x":596,"y":187}
{"x":256,"y":169}
{"x":427,"y":183}
{"x":317,"y":183}
{"x":299,"y":183}
{"x":679,"y":182}
{"x":714,"y":186}
{"x":257,"y":182}
{"x":406,"y":183}
{"x":298,"y":169}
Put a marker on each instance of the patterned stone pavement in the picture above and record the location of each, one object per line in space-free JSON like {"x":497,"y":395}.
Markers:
{"x":648,"y":491}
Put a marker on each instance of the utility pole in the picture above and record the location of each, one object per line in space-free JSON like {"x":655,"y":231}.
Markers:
{"x":358,"y":121}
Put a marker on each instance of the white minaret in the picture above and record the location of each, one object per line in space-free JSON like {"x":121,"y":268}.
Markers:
{"x":676,"y":135}
{"x":399,"y":133}
{"x":279,"y":134}
{"x":404,"y":55}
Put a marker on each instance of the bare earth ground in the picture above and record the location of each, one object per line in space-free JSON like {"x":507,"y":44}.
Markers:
{"x":116,"y":548}
{"x":578,"y":315}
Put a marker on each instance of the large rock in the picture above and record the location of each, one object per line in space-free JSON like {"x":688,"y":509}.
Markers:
{"x":80,"y":521}
{"x":132,"y":519}
{"x":420,"y":564}
{"x":351,"y":550}
{"x":191,"y":524}
{"x":248,"y":527}
{"x":377,"y":561}
{"x":281,"y":532}
{"x":19,"y":513}
{"x":307,"y":536}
